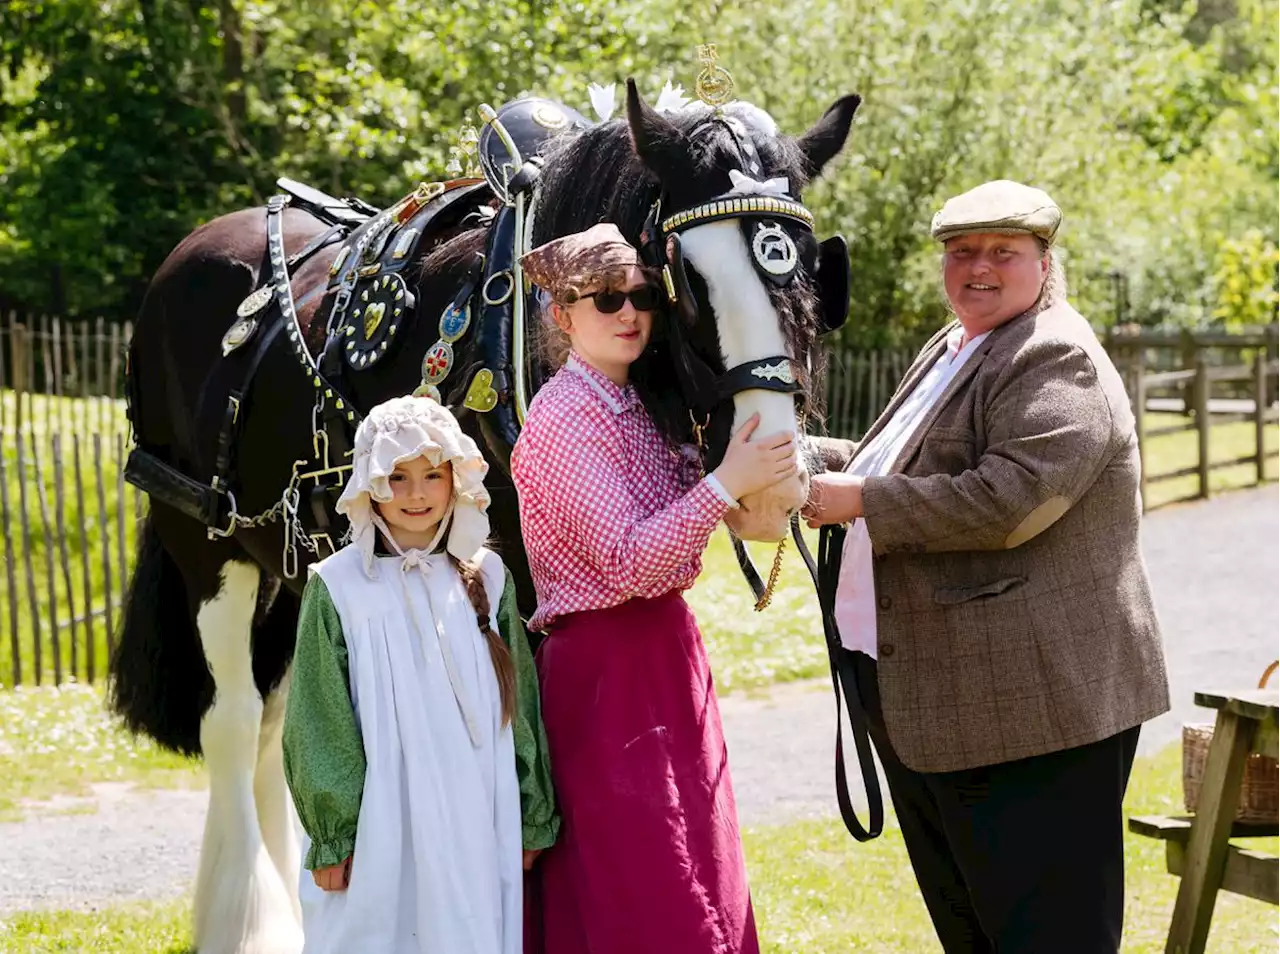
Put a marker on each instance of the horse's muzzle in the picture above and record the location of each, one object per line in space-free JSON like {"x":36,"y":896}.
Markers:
{"x":766,"y":516}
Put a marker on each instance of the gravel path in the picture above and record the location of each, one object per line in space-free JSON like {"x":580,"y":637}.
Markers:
{"x":1214,"y":567}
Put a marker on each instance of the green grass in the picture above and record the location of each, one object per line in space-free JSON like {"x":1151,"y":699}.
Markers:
{"x":750,"y":649}
{"x":1227,"y":441}
{"x":90,"y":533}
{"x":818,"y":891}
{"x":61,"y":741}
{"x":815,"y":891}
{"x":143,"y":928}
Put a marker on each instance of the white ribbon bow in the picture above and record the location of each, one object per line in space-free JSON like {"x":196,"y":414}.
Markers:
{"x":743,"y":184}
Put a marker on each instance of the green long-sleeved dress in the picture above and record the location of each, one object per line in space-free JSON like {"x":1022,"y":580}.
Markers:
{"x":323,"y":752}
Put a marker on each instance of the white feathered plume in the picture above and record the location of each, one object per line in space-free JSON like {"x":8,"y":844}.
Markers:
{"x":603,"y":100}
{"x":671,"y":99}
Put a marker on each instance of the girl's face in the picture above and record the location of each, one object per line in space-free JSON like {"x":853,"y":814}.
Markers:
{"x":420,"y":498}
{"x":610,"y":340}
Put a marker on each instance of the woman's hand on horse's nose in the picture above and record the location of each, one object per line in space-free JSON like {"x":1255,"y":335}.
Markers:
{"x":752,"y":466}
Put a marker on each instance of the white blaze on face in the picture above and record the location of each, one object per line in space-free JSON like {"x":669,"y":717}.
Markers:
{"x":748,"y":328}
{"x":745,"y":318}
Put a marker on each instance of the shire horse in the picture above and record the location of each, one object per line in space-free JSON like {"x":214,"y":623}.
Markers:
{"x":207,"y":635}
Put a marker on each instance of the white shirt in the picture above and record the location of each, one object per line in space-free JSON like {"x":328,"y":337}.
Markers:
{"x":855,"y":608}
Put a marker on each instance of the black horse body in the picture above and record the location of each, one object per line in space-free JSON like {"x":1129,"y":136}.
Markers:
{"x":163,"y":676}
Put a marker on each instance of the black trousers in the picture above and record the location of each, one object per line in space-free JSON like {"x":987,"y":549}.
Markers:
{"x":1025,"y":857}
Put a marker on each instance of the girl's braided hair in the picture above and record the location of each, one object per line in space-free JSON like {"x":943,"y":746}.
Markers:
{"x":498,"y":652}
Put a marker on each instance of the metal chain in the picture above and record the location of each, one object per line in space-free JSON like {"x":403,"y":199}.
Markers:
{"x":767,"y":596}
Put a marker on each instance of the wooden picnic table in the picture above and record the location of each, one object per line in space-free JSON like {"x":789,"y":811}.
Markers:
{"x":1198,"y":847}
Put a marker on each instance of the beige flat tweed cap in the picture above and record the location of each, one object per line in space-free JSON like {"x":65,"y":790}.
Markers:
{"x":1000,"y":206}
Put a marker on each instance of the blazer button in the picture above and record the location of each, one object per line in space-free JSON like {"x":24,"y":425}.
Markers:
{"x":885,"y":602}
{"x":886,"y":649}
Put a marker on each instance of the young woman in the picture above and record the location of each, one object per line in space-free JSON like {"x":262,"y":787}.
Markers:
{"x":412,"y":740}
{"x":614,"y":522}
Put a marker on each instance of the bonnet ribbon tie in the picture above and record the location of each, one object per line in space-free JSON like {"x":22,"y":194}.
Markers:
{"x":415,"y":559}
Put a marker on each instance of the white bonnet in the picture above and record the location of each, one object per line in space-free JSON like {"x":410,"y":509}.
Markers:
{"x":402,"y":429}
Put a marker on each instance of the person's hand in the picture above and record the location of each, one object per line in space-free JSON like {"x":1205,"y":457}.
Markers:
{"x":749,"y":468}
{"x":833,"y":498}
{"x":334,"y":877}
{"x":530,"y":856}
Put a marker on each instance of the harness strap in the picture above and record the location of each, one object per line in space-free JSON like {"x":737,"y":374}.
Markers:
{"x":825,"y":573}
{"x":317,"y":243}
{"x":748,"y":568}
{"x":224,"y":476}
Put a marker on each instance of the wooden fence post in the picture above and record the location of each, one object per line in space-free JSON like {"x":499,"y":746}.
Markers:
{"x":47,"y":534}
{"x":1260,"y":410}
{"x":90,"y":647}
{"x":33,"y":601}
{"x":1202,"y":421}
{"x":60,"y":512}
{"x":18,"y":361}
{"x":105,"y":542}
{"x":1190,"y":356}
{"x":10,"y":575}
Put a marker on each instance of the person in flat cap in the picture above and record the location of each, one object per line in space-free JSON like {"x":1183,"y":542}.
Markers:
{"x":992,"y":602}
{"x":614,"y":520}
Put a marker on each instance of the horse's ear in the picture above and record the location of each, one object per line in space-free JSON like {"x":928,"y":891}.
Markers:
{"x":655,"y":139}
{"x":821,"y":143}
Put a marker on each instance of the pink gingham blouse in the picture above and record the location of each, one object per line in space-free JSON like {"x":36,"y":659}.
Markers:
{"x":609,"y":510}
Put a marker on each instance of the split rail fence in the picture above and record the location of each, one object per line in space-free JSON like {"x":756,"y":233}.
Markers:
{"x":1217,"y":379}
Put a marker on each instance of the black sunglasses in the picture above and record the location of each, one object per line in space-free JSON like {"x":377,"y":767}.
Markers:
{"x":644,"y":298}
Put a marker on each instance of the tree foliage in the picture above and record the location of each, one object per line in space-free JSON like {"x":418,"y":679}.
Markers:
{"x":124,"y":123}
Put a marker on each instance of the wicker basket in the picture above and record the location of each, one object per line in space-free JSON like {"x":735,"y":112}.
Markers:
{"x":1260,"y":791}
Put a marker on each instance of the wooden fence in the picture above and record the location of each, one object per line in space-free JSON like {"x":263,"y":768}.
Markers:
{"x":70,"y":521}
{"x":68,"y":518}
{"x":1200,"y":382}
{"x":859,"y":386}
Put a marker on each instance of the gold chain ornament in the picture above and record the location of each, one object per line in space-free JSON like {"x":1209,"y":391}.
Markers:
{"x":767,"y":596}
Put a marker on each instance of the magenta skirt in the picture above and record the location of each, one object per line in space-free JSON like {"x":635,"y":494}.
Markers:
{"x":649,"y":857}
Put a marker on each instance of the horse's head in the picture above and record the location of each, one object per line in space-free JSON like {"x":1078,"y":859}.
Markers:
{"x":752,"y":287}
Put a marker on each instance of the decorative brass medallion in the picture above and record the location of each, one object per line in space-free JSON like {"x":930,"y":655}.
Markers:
{"x":373,"y":316}
{"x":370,"y":329}
{"x":548,"y":117}
{"x":774,"y":250}
{"x":714,"y":84}
{"x":454,"y":322}
{"x":481,"y":396}
{"x":238,"y":334}
{"x":255,"y":302}
{"x":437,"y":363}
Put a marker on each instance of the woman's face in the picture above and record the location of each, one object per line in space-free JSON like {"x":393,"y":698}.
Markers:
{"x":606,"y":327}
{"x":420,"y":495}
{"x":991,"y":278}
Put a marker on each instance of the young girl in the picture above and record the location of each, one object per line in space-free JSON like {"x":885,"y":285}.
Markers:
{"x":649,"y":858}
{"x":413,"y":743}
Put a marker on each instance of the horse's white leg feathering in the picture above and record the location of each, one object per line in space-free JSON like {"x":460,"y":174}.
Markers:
{"x":276,"y":815}
{"x":242,"y":904}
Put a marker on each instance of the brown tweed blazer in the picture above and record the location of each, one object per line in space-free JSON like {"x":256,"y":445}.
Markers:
{"x":1014,"y":615}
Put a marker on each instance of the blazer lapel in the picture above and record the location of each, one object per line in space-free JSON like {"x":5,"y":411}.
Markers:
{"x":924,"y":361}
{"x":957,"y":384}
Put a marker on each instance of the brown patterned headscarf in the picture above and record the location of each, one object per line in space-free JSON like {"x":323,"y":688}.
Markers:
{"x":568,"y":266}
